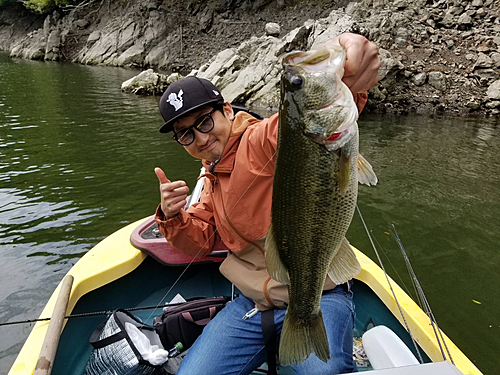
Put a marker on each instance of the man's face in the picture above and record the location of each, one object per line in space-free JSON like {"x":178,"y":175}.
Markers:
{"x":208,"y":146}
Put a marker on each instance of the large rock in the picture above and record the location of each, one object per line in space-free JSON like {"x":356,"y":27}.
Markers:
{"x":389,"y":68}
{"x":116,"y":45}
{"x":250,"y":73}
{"x":448,"y":20}
{"x":328,"y":28}
{"x":494,"y":90}
{"x":47,"y":25}
{"x":31,"y":47}
{"x":206,"y":19}
{"x":158,"y":55}
{"x":103,"y":49}
{"x":495,"y":57}
{"x":93,"y":37}
{"x":134,"y":56}
{"x":146,"y":83}
{"x":420,"y":79}
{"x":486,"y":76}
{"x":465,"y":20}
{"x":219,"y":67}
{"x":483,"y":61}
{"x":52,"y":49}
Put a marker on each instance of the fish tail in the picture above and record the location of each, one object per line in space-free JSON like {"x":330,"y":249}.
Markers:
{"x":299,"y":340}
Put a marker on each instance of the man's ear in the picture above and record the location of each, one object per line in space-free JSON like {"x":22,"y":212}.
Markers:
{"x":228,"y":111}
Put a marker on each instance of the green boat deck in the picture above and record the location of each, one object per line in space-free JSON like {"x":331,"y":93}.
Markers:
{"x":147,"y":286}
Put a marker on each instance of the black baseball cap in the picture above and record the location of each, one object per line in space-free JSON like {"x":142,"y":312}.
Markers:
{"x":184,"y":96}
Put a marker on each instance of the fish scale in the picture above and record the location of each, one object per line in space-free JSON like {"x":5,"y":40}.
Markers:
{"x":312,"y":200}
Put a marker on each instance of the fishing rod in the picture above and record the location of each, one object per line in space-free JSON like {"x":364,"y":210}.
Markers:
{"x":390,"y":285}
{"x":95,"y":313}
{"x":422,"y":297}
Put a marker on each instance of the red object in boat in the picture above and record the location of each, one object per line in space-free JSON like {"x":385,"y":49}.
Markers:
{"x":147,"y":238}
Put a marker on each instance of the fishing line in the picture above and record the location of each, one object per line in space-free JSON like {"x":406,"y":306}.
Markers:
{"x":424,"y":298}
{"x":390,"y":285}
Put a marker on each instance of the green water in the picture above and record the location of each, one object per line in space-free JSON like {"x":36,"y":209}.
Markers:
{"x":76,"y":164}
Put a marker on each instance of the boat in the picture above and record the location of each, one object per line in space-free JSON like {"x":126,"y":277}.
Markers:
{"x":136,"y":267}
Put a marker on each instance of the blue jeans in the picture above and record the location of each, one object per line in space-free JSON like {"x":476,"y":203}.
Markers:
{"x":231,"y":345}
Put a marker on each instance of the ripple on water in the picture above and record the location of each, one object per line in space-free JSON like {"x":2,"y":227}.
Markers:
{"x":32,"y":217}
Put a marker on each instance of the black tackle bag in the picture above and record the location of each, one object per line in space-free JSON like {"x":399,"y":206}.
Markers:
{"x":184,"y":322}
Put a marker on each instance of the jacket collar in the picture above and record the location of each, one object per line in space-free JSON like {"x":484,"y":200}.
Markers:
{"x":225,"y":164}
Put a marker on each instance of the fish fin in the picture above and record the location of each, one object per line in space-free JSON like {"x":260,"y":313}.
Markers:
{"x":299,"y":340}
{"x":275,"y":267}
{"x":365,"y":172}
{"x":344,"y":171}
{"x":344,"y":265}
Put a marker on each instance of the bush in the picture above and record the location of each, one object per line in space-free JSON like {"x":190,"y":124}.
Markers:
{"x":44,"y":6}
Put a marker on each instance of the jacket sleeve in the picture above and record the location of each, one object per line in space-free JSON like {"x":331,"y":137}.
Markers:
{"x":264,"y":140}
{"x":191,"y":231}
{"x":360,"y":99}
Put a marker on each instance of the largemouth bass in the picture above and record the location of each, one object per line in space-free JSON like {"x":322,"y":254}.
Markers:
{"x":314,"y":194}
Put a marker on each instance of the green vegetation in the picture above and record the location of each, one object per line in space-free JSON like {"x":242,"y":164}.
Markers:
{"x":40,"y":6}
{"x":43,"y":6}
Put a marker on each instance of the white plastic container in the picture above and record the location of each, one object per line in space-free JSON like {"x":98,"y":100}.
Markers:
{"x":385,"y":349}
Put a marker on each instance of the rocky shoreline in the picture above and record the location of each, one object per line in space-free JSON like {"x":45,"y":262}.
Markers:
{"x":438,"y":56}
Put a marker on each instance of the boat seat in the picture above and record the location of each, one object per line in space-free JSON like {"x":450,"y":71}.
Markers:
{"x":385,"y":349}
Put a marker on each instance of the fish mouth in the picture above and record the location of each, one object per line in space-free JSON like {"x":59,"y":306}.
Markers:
{"x":326,"y":139}
{"x":338,"y":138}
{"x":336,"y":135}
{"x":315,"y":61}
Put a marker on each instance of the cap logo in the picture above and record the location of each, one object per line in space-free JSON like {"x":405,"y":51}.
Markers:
{"x":175,"y":100}
{"x":216,"y":92}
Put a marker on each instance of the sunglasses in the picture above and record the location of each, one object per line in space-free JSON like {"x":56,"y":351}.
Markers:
{"x":204,"y":125}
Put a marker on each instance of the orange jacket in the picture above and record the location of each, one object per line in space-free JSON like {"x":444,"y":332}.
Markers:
{"x":240,"y":186}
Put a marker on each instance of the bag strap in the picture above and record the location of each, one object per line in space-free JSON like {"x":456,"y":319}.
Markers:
{"x":270,"y":335}
{"x":192,"y":303}
{"x":98,"y":344}
{"x":94,"y":338}
{"x":201,"y":322}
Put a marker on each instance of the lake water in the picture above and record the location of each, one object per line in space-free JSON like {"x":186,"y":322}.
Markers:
{"x":76,"y":164}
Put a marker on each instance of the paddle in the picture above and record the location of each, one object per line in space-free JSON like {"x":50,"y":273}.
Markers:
{"x":49,"y":346}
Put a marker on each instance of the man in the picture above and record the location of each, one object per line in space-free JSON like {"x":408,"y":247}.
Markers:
{"x":239,"y":153}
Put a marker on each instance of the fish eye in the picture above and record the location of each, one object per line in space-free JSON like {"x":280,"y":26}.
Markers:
{"x":297,"y":81}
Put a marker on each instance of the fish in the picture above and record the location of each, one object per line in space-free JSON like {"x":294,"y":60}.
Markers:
{"x":315,"y":189}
